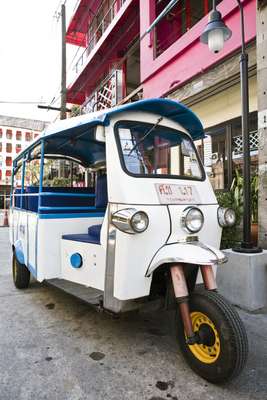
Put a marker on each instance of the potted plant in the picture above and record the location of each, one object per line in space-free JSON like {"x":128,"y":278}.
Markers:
{"x":230,"y":235}
{"x":234,"y":199}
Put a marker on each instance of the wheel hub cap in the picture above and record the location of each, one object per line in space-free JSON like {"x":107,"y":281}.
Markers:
{"x":208,"y":350}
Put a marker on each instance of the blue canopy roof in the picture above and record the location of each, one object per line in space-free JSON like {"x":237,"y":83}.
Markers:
{"x":165,"y":107}
{"x":65,"y":132}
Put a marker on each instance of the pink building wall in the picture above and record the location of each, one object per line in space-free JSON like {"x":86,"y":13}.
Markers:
{"x":188,"y":57}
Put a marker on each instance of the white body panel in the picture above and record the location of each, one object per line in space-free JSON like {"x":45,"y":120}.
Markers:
{"x":133,"y":253}
{"x":210,"y":234}
{"x":92,"y":272}
{"x":41,"y":240}
{"x":50,"y":232}
{"x":32,"y":239}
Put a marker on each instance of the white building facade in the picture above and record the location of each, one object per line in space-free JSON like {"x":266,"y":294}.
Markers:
{"x":15,"y":135}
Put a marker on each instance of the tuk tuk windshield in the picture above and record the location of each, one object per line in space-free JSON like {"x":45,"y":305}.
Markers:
{"x":154,"y":150}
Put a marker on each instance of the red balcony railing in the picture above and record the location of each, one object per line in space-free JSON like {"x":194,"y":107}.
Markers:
{"x":107,"y":95}
{"x":96,"y":29}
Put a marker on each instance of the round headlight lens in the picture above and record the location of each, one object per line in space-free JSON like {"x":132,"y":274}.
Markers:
{"x":139,"y":221}
{"x":226,"y":217}
{"x":192,"y":219}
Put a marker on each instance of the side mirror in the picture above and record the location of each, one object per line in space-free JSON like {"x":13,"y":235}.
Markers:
{"x":100,"y":133}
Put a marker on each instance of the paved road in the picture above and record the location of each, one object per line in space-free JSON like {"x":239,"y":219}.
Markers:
{"x":52,"y":346}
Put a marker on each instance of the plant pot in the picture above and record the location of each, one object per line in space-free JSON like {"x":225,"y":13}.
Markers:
{"x":254,"y":233}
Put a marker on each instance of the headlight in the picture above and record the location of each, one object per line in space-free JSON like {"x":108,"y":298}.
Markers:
{"x":226,"y":217}
{"x":192,"y":219}
{"x":130,"y":220}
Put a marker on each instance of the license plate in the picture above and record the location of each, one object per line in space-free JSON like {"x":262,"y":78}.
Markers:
{"x":177,"y":194}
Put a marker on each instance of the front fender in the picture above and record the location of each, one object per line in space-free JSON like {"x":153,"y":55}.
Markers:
{"x":189,"y":253}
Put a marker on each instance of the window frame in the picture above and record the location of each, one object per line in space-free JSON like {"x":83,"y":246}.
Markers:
{"x":188,"y":21}
{"x":157,"y":176}
{"x":228,"y":125}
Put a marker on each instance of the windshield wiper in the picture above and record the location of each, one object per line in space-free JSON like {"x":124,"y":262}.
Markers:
{"x":146,"y":134}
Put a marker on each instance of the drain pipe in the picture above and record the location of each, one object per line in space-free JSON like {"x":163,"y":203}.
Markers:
{"x":164,"y":12}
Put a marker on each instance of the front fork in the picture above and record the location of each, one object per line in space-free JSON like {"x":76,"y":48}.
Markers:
{"x":182,"y":295}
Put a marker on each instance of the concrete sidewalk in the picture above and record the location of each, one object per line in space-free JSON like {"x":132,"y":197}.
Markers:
{"x":54,"y":347}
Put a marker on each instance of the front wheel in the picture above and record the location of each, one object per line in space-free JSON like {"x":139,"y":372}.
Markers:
{"x":21,"y":274}
{"x":223,"y":346}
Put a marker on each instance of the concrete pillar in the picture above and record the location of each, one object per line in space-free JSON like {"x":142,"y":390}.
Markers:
{"x":262,"y":117}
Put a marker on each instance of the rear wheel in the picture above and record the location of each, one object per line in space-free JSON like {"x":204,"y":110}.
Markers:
{"x":222,"y":350}
{"x":21,"y":274}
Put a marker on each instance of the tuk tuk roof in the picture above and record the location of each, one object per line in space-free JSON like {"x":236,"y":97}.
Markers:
{"x":165,"y":107}
{"x":64,"y":131}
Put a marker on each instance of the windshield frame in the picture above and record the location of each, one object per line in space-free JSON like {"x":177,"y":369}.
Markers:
{"x":161,"y":176}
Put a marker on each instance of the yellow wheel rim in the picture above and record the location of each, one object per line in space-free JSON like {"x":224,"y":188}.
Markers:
{"x":204,"y":353}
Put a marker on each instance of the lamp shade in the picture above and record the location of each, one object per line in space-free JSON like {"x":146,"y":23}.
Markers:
{"x":216,"y":32}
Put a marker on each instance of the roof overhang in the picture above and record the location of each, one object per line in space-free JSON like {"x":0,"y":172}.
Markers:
{"x":77,"y":29}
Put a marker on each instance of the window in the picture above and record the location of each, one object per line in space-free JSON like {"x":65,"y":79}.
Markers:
{"x":9,"y":148}
{"x":9,"y":161}
{"x":17,"y":185}
{"x":8,"y":172}
{"x":28,"y":136}
{"x":32,"y":173}
{"x":182,"y":17}
{"x":18,"y":148}
{"x":223,"y":151}
{"x":218,"y":160}
{"x":9,"y":133}
{"x":157,"y":151}
{"x":18,"y":135}
{"x":1,"y":133}
{"x":63,"y":173}
{"x":36,"y":135}
{"x":1,"y":147}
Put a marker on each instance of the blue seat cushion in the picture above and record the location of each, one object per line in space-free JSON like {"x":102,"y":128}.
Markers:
{"x":101,"y":192}
{"x":82,"y":237}
{"x":92,"y":237}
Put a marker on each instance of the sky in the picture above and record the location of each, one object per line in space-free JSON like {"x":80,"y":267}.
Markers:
{"x":30,"y":52}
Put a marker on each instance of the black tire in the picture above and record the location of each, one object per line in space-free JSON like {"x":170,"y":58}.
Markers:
{"x":21,"y":274}
{"x":230,"y":342}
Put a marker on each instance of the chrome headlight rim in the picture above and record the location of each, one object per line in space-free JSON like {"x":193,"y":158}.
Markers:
{"x":184,"y":221}
{"x":222,"y":219}
{"x":123,"y":220}
{"x":135,"y":229}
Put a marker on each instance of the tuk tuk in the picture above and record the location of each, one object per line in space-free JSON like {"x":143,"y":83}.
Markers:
{"x":115,"y":207}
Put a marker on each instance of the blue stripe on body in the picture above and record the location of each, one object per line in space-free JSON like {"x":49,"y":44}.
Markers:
{"x":78,"y":215}
{"x":44,"y":208}
{"x":67,"y":194}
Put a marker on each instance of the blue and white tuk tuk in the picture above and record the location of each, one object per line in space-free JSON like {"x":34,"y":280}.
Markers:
{"x":115,"y":207}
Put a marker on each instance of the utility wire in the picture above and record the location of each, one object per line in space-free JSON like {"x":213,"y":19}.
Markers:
{"x":21,"y":102}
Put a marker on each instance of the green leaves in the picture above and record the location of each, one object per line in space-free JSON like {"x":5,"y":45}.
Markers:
{"x":234,"y":199}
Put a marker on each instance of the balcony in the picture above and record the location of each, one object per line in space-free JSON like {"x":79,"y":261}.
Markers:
{"x":98,"y":25}
{"x":111,"y":32}
{"x":107,"y":95}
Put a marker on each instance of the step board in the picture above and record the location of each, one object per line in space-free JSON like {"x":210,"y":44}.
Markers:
{"x":87,"y":294}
